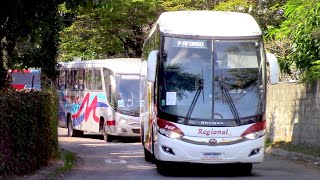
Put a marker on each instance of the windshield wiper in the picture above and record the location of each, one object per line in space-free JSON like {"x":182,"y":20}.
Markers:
{"x":231,"y":104}
{"x":194,"y":101}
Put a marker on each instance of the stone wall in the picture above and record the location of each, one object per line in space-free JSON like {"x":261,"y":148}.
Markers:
{"x":293,"y":113}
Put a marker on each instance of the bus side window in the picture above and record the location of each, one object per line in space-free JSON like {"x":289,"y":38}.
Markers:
{"x":79,"y":79}
{"x":106,"y":74}
{"x":62,"y":80}
{"x":88,"y":79}
{"x":69,"y":79}
{"x":73,"y":79}
{"x":97,"y":80}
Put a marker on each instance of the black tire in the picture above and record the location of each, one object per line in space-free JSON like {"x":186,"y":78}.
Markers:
{"x":107,"y":137}
{"x":79,"y":133}
{"x":162,"y":168}
{"x":148,"y":156}
{"x":73,"y":132}
{"x":245,"y":169}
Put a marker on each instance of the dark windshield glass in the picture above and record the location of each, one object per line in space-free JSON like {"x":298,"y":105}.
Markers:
{"x":128,"y":94}
{"x":228,"y":72}
{"x":236,"y":75}
{"x":186,"y":63}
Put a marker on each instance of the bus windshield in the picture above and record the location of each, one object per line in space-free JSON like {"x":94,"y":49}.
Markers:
{"x":128,"y":94}
{"x":211,"y":79}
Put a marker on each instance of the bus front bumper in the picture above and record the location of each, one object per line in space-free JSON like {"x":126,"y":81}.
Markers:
{"x":249,"y":151}
{"x":124,"y":130}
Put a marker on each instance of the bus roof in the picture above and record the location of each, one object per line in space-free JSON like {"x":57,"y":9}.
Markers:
{"x":117,"y":65}
{"x":208,"y":23}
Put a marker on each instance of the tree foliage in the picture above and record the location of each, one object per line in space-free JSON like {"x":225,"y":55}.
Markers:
{"x":118,"y":28}
{"x":108,"y":30}
{"x":178,"y":5}
{"x":29,"y":36}
{"x":306,"y":43}
{"x":300,"y":30}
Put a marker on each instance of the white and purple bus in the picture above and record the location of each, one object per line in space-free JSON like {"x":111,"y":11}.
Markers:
{"x":100,"y":96}
{"x":206,"y":90}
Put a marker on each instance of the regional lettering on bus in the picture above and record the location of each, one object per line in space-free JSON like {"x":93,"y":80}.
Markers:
{"x":206,"y":90}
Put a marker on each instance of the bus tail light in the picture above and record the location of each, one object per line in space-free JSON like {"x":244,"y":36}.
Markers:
{"x":111,"y":122}
{"x":168,"y":129}
{"x":255,"y":131}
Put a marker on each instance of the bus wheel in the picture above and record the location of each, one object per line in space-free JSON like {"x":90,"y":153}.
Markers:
{"x":245,"y":169}
{"x":148,"y":156}
{"x":162,"y":168}
{"x":73,"y":132}
{"x":70,"y":128}
{"x":107,"y":137}
{"x":79,"y":133}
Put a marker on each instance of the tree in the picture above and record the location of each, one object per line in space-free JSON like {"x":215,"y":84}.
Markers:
{"x":109,"y":30}
{"x":300,"y":29}
{"x":118,"y":29}
{"x":178,"y":5}
{"x":28,"y":34}
{"x":306,"y":43}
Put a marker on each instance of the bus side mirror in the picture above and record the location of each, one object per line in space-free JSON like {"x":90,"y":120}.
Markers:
{"x":274,"y":68}
{"x":152,"y":65}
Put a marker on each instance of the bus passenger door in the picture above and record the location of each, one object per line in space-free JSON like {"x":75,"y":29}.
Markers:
{"x":111,"y":92}
{"x":75,"y":94}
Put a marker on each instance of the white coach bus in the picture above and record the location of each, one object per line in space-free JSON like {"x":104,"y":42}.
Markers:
{"x":206,"y":90}
{"x":100,"y":96}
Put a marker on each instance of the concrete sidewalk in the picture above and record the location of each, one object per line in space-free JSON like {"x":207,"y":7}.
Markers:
{"x":293,"y":155}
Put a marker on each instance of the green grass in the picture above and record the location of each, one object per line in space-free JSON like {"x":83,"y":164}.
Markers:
{"x":68,"y":160}
{"x":303,"y":149}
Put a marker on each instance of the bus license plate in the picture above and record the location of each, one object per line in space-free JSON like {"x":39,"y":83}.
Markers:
{"x":211,"y":156}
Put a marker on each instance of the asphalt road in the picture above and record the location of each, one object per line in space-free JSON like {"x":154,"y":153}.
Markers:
{"x":123,"y":159}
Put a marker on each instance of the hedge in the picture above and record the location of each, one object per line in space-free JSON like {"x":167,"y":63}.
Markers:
{"x":28,"y":130}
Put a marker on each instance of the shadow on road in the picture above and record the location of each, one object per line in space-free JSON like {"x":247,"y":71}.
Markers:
{"x":202,"y":170}
{"x":116,"y":139}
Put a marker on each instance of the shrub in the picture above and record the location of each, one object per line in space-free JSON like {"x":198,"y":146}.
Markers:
{"x":28,"y":129}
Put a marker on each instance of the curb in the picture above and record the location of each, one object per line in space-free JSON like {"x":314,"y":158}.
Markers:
{"x":293,"y":155}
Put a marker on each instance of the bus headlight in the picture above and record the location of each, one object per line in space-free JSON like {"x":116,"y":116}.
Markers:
{"x":169,"y":134}
{"x":255,"y":131}
{"x":168,"y":129}
{"x":123,"y":121}
{"x":256,"y":135}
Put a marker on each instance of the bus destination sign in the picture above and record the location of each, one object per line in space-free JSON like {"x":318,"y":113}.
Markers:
{"x":191,"y":43}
